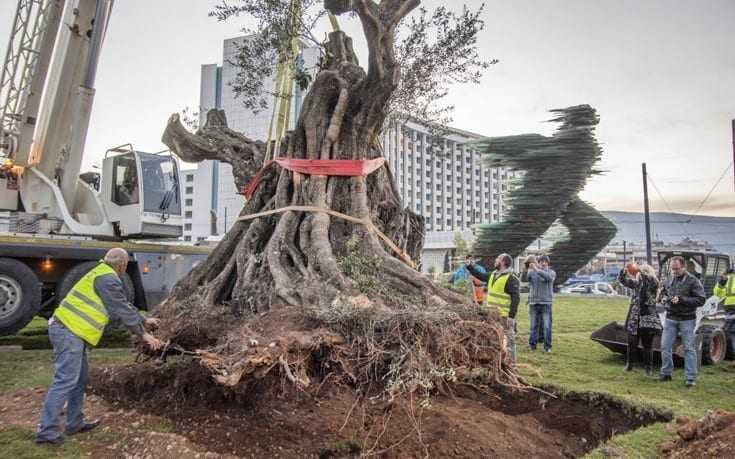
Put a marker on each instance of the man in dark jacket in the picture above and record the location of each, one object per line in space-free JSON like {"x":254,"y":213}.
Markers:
{"x":503,"y":293}
{"x":683,"y":295}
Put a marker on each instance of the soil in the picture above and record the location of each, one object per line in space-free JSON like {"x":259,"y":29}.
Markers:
{"x":711,"y":436}
{"x":268,"y":419}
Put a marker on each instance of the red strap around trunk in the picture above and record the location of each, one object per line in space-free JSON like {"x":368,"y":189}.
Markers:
{"x":339,"y":167}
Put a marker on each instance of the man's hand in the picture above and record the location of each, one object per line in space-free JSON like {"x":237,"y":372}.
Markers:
{"x":152,"y":342}
{"x":675,"y":300}
{"x":151,"y":323}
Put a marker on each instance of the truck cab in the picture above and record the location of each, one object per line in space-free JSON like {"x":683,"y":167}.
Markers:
{"x":140,"y":192}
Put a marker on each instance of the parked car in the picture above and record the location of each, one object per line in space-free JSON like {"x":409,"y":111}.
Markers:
{"x":593,"y":288}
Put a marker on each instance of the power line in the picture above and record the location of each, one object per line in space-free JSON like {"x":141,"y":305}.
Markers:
{"x":660,"y":195}
{"x":701,"y":204}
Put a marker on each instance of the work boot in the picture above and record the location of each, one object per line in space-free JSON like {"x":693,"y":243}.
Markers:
{"x":664,"y":378}
{"x":85,"y":427}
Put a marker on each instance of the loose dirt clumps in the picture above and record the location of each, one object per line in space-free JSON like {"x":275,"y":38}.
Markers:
{"x":711,"y":436}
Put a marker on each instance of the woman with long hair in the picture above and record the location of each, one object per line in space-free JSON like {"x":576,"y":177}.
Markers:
{"x":642,"y":322}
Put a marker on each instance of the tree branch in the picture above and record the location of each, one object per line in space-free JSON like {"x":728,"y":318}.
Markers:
{"x":215,"y":141}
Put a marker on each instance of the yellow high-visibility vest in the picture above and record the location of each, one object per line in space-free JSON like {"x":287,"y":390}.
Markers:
{"x":496,"y":296}
{"x":728,"y":291}
{"x":82,"y":310}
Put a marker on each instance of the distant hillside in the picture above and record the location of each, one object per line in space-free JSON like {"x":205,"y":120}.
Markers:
{"x":668,"y":227}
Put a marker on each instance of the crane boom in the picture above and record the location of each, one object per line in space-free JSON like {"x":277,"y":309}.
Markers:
{"x":48,"y":91}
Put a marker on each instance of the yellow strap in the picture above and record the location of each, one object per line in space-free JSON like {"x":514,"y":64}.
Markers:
{"x":367,"y":223}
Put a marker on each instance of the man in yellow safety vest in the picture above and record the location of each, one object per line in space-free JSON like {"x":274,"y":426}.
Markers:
{"x":77,"y":323}
{"x":503,"y":294}
{"x":725,"y":289}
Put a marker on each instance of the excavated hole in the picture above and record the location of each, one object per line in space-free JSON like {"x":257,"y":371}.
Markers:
{"x":270,"y":416}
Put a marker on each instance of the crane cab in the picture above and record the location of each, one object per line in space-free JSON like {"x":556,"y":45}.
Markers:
{"x":140,"y":193}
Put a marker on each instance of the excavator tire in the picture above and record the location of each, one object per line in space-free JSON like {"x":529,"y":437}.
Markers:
{"x":20,"y":296}
{"x":714,"y":345}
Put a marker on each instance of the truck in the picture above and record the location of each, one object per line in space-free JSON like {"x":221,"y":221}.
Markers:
{"x":715,"y":328}
{"x":55,"y":223}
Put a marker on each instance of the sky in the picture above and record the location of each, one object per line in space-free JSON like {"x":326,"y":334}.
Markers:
{"x":660,"y":73}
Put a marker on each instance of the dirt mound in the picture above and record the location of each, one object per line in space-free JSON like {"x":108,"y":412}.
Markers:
{"x":267,"y":419}
{"x":711,"y":436}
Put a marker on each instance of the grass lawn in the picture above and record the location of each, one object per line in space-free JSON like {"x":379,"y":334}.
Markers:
{"x":576,"y":363}
{"x":580,"y":364}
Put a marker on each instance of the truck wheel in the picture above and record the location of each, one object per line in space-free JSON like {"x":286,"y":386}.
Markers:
{"x":20,"y":296}
{"x":714,"y":346}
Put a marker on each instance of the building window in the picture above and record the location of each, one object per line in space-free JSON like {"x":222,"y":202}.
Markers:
{"x":438,"y":187}
{"x":189,"y":177}
{"x":449,"y":199}
{"x":187,"y":226}
{"x":187,"y":214}
{"x":418,"y":207}
{"x":189,"y":190}
{"x":459,"y":168}
{"x":189,"y":202}
{"x":459,"y":213}
{"x":428,"y":196}
{"x":449,"y":222}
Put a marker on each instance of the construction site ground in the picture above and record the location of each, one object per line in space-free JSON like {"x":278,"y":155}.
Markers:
{"x":463,"y":426}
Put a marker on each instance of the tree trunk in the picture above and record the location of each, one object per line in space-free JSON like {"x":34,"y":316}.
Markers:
{"x":308,"y":258}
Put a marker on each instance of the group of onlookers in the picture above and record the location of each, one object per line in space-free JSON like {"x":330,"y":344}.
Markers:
{"x":680,"y":295}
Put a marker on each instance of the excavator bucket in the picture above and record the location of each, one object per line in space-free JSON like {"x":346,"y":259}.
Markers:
{"x":613,"y":336}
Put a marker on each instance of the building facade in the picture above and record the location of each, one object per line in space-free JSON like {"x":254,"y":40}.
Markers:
{"x":446,"y":182}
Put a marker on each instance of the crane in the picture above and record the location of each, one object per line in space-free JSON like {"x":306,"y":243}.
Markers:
{"x":55,"y":223}
{"x":46,"y":97}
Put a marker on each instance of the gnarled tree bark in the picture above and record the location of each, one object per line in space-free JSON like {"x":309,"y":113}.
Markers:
{"x":294,"y":257}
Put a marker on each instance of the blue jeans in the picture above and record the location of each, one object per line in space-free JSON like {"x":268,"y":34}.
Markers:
{"x":70,"y":380}
{"x":685,"y":328}
{"x":540,"y":324}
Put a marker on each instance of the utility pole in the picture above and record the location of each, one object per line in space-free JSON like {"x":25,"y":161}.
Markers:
{"x":625,"y":254}
{"x":733,"y":150}
{"x":649,"y":255}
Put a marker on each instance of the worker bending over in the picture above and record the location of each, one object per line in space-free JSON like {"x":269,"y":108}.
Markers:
{"x":503,"y":293}
{"x":77,"y":323}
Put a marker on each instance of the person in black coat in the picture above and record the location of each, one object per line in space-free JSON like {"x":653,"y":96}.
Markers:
{"x":642,"y":322}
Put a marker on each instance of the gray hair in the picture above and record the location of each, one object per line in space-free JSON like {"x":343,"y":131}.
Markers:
{"x":117,"y":257}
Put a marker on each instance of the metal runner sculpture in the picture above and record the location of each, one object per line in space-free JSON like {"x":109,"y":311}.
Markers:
{"x":553,"y":172}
